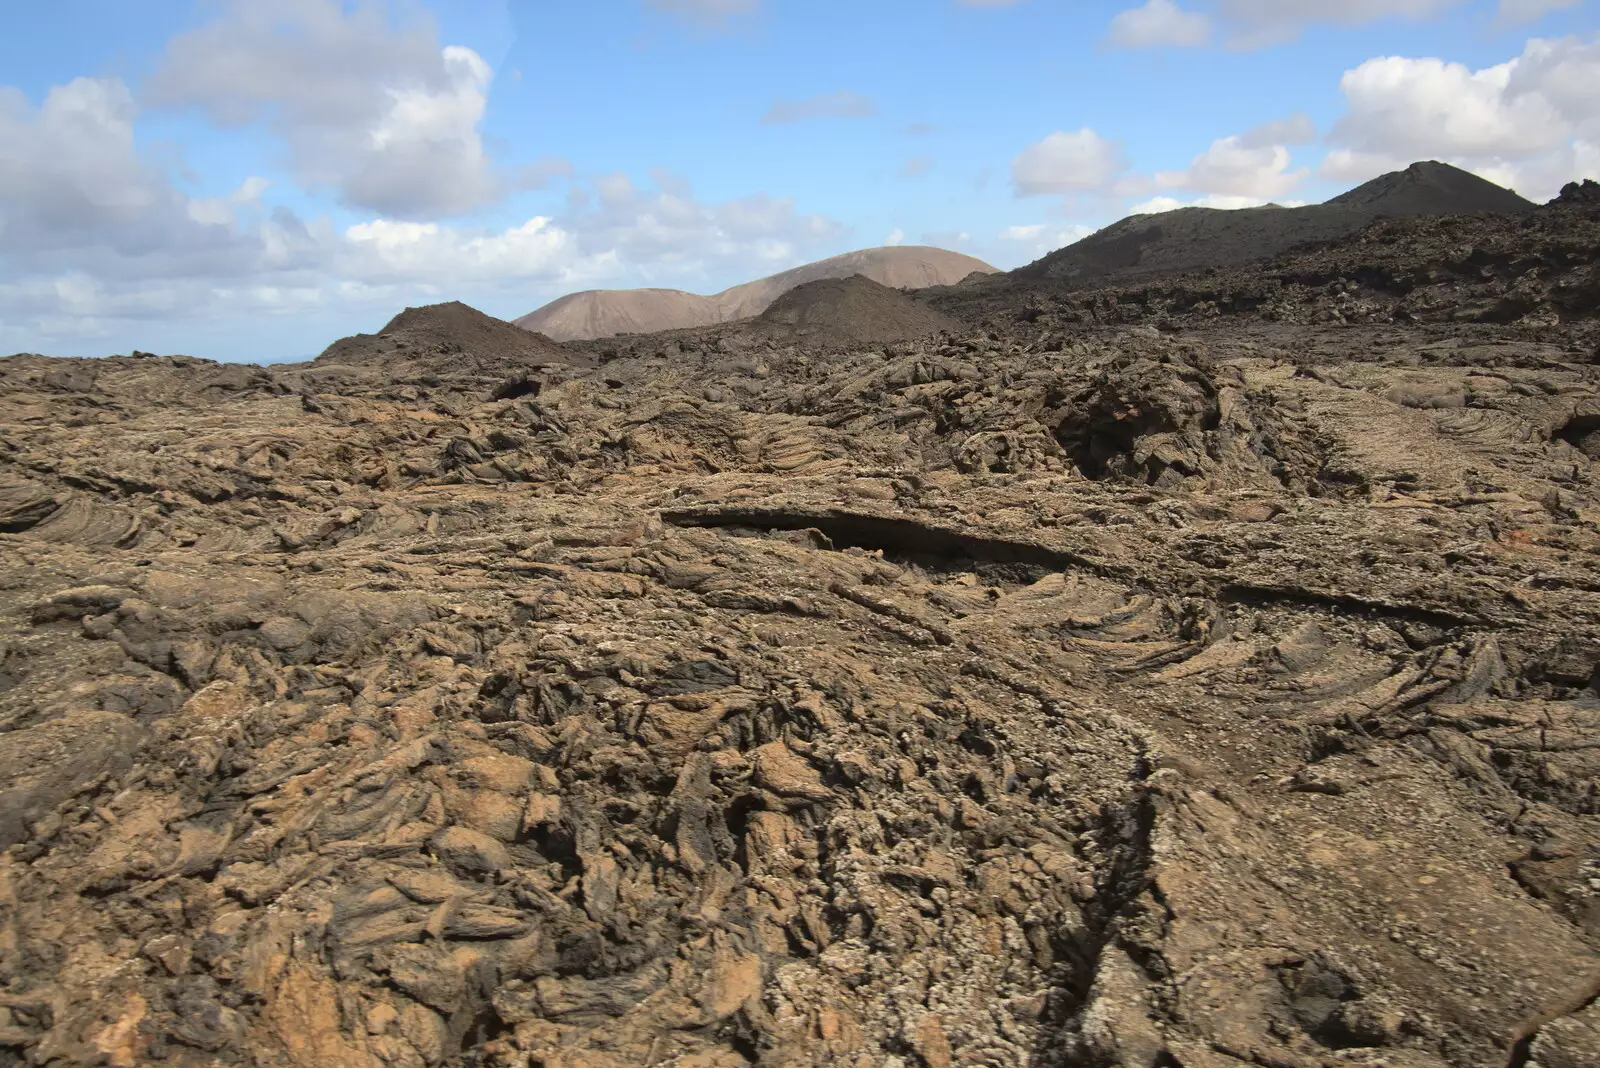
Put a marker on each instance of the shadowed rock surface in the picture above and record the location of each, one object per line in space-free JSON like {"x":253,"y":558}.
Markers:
{"x":1198,"y":673}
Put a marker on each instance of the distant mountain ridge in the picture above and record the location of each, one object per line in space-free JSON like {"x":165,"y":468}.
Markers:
{"x":600,"y":313}
{"x":1189,"y":239}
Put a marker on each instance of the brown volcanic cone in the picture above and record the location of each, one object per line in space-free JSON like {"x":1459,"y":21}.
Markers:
{"x":851,"y":311}
{"x":452,"y":331}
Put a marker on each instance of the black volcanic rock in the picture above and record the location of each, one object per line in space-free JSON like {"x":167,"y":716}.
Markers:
{"x":1431,"y":188}
{"x":1584,"y":192}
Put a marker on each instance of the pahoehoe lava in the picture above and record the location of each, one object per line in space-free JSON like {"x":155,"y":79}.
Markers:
{"x":1182,"y":652}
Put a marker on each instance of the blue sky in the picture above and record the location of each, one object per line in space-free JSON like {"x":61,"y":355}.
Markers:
{"x":250,"y":179}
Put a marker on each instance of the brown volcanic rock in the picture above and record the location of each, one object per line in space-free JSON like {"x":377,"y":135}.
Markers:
{"x":603,"y":313}
{"x":452,"y":330}
{"x":1065,"y":691}
{"x":850,"y":311}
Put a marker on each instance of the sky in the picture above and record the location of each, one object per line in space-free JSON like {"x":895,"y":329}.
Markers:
{"x":248,"y":180}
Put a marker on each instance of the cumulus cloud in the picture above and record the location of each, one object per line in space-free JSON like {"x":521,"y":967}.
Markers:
{"x":665,"y":231}
{"x":95,"y":236}
{"x":1242,"y":170}
{"x":896,"y":236}
{"x":843,"y":104}
{"x":1159,"y":24}
{"x":1520,"y":122}
{"x":1232,"y":168}
{"x":376,"y":110}
{"x":715,"y":14}
{"x":1434,"y":108}
{"x":74,"y":189}
{"x":94,"y":233}
{"x":1066,"y":162}
{"x":386,"y":250}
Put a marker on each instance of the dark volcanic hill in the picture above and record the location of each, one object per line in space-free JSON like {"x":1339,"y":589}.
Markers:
{"x":452,"y":331}
{"x":846,"y":311}
{"x":1193,"y":238}
{"x":1430,"y":188}
{"x":1539,"y":269}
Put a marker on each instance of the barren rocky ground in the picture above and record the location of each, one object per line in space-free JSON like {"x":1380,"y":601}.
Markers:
{"x":1201,"y":674}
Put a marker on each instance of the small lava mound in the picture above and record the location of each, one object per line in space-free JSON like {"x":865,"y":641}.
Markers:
{"x":852,"y":311}
{"x":455,"y":330}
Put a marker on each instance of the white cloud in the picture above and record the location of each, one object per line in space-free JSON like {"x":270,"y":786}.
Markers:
{"x":1155,"y":205}
{"x":1565,"y":72}
{"x":1159,"y":24}
{"x":843,"y":104}
{"x":715,"y":14}
{"x":1066,"y":162}
{"x":1428,"y":107}
{"x":1243,"y":170}
{"x":916,"y":166}
{"x":74,"y":190}
{"x":222,"y":211}
{"x":97,"y":239}
{"x":1514,"y":12}
{"x":1524,"y":121}
{"x":666,"y":232}
{"x":1041,"y":238}
{"x":385,"y":250}
{"x":896,"y":236}
{"x":378,"y":111}
{"x":1229,"y":168}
